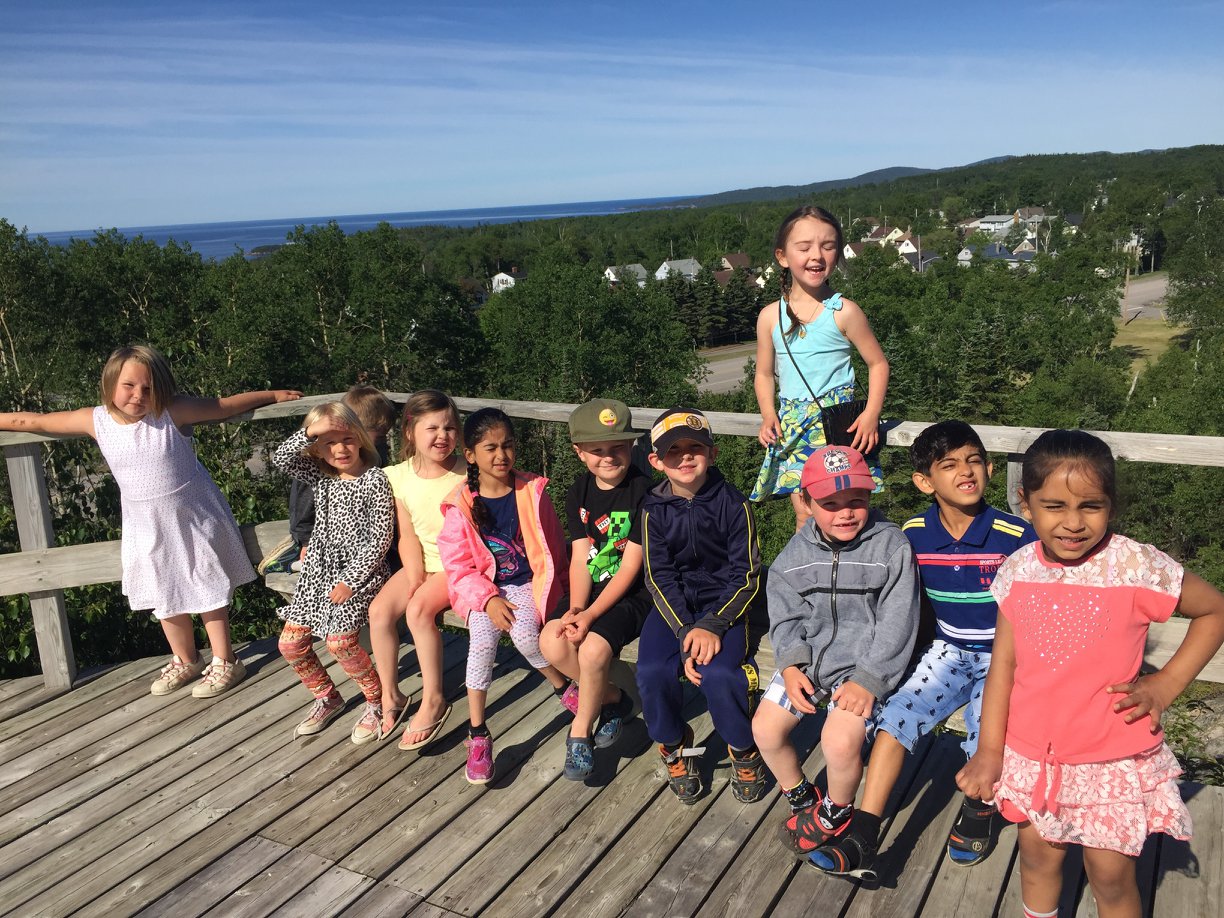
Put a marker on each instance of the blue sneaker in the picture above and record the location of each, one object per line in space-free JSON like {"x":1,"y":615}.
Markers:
{"x":611,"y":721}
{"x":579,"y":758}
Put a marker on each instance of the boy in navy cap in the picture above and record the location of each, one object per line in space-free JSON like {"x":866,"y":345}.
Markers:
{"x":703,"y":570}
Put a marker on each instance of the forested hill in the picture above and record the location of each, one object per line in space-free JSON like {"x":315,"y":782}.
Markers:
{"x":789,"y":192}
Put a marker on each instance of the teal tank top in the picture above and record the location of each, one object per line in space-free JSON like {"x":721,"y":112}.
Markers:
{"x":820,"y":349}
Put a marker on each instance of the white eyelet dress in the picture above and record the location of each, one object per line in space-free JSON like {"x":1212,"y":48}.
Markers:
{"x":182,"y":553}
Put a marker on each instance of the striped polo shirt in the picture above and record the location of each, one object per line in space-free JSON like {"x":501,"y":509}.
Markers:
{"x":957,"y":573}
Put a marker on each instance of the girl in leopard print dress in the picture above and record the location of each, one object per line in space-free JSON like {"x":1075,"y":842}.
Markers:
{"x":345,"y":563}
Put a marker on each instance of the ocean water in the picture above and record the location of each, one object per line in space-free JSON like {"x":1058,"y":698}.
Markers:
{"x":220,"y":240}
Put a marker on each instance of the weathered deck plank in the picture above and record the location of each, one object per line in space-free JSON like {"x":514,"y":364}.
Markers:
{"x":599,"y":811}
{"x":1189,"y":876}
{"x":138,"y":736}
{"x":220,"y":811}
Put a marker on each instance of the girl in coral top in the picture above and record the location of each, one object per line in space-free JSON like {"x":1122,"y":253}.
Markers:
{"x":1070,"y":746}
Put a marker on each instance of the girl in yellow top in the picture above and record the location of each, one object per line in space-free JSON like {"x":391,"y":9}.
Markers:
{"x":430,"y":469}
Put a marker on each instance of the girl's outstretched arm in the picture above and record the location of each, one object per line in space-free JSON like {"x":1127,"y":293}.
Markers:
{"x":77,"y":423}
{"x":858,"y":332}
{"x":1149,"y":696}
{"x":189,"y":409}
{"x":763,"y":381}
{"x":980,"y":774}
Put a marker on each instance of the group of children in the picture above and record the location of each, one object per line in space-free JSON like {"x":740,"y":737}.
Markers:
{"x":1038,"y":625}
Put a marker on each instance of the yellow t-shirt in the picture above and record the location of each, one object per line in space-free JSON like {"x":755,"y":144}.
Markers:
{"x":423,"y":497}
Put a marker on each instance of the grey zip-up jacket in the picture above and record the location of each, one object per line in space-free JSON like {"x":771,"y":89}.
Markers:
{"x":845,"y":611}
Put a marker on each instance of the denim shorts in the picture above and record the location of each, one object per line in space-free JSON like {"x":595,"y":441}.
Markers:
{"x":945,"y":678}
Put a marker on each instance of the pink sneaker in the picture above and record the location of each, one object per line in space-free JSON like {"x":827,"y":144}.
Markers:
{"x":479,"y":768}
{"x":569,"y":698}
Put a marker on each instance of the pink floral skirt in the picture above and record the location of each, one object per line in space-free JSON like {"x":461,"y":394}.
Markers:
{"x":1112,"y":805}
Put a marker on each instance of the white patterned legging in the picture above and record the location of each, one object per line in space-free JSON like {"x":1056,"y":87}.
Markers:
{"x":483,"y":637}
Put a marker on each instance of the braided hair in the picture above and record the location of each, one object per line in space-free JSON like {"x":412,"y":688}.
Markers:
{"x":477,"y":425}
{"x":799,"y":213}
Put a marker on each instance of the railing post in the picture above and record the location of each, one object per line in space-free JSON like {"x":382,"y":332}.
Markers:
{"x":32,"y":507}
{"x":1015,"y":466}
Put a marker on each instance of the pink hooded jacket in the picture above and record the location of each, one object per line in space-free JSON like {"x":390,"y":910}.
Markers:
{"x":469,"y":564}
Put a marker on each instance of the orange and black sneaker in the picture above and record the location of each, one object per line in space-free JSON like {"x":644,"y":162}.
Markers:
{"x":747,"y":774}
{"x":680,"y":769}
{"x":813,"y":826}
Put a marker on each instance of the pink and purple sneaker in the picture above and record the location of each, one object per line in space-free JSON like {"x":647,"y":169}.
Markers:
{"x":479,"y":768}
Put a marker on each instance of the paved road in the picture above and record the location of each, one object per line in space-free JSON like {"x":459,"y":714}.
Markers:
{"x":726,"y":366}
{"x":1144,"y":299}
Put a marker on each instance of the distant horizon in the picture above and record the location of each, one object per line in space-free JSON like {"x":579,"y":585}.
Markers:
{"x":474,"y":212}
{"x":499,"y":208}
{"x":169,"y":112}
{"x":222,"y":238}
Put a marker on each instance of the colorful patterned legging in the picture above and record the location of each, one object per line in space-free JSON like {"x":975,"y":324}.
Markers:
{"x":483,"y":637}
{"x":297,"y":646}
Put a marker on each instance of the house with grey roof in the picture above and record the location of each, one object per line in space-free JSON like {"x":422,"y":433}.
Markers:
{"x":619,"y":274}
{"x":688,"y":268}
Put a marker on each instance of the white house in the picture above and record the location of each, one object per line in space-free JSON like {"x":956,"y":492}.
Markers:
{"x":688,"y":268}
{"x":997,"y":224}
{"x":503,"y":280}
{"x":883,"y":235}
{"x":619,"y":273}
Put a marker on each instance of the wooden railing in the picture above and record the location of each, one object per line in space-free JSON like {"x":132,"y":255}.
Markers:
{"x":45,"y":572}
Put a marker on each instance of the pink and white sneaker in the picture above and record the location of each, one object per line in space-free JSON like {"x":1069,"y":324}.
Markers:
{"x":479,"y":768}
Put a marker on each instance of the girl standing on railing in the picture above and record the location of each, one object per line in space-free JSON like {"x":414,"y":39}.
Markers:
{"x":504,"y":554}
{"x":430,"y":470}
{"x":345,"y":564}
{"x":805,"y":339}
{"x":181,"y":551}
{"x":1070,"y":745}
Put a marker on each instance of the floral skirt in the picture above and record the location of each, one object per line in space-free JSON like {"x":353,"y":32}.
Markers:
{"x":802,"y":434}
{"x":1112,"y":805}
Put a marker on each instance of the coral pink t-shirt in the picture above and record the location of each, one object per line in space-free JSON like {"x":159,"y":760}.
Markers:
{"x":1077,"y":629}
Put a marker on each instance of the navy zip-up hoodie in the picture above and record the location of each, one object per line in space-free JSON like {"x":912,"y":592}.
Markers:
{"x":701,"y":560}
{"x":845,"y":610}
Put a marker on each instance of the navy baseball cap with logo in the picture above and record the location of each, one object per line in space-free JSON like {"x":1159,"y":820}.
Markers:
{"x":835,"y":468}
{"x":679,"y":424}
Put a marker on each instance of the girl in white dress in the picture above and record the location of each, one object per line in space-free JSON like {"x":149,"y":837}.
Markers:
{"x":182,"y":553}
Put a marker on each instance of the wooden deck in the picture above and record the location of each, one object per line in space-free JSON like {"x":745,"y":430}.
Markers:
{"x":117,"y":802}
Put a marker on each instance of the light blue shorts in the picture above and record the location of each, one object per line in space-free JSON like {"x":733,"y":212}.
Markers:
{"x":945,"y":678}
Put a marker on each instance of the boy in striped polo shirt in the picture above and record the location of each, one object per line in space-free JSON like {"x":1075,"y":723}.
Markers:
{"x":960,"y":541}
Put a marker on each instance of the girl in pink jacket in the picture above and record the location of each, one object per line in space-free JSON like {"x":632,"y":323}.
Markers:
{"x":502,"y":548}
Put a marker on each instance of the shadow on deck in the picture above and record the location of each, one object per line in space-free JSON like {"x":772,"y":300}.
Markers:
{"x":117,"y":802}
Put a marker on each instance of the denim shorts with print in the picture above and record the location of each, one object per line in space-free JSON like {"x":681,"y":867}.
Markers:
{"x":945,"y":678}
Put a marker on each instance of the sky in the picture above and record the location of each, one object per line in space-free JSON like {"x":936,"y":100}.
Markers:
{"x":130,"y":113}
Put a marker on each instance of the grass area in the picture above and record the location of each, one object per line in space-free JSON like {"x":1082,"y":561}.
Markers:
{"x":1190,"y":716}
{"x":1145,"y":339}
